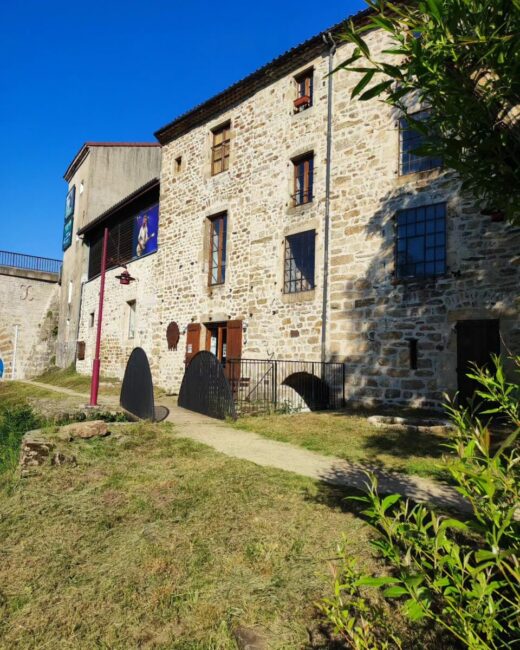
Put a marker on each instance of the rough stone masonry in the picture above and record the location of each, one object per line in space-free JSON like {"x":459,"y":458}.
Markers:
{"x":371,"y":315}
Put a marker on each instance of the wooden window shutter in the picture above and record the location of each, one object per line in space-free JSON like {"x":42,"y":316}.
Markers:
{"x":234,"y":339}
{"x":192,"y":341}
{"x":234,"y":351}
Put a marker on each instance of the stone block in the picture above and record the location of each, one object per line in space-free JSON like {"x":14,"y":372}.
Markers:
{"x":85,"y":430}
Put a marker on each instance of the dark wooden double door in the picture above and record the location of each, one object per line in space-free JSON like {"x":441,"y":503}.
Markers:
{"x":477,"y":340}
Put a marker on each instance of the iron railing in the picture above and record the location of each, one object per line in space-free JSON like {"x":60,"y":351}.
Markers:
{"x":279,"y":386}
{"x":30,"y":262}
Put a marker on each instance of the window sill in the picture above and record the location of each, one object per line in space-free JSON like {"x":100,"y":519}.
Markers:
{"x":305,"y":111}
{"x":426,"y":175}
{"x":210,"y":288}
{"x":299,"y":296}
{"x":432,"y":279}
{"x":301,"y":208}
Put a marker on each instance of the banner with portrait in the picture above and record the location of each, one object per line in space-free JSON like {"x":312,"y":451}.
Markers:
{"x":146,"y":227}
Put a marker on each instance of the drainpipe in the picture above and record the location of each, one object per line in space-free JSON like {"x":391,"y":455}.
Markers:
{"x":329,"y":40}
{"x":78,"y":321}
{"x":15,"y":347}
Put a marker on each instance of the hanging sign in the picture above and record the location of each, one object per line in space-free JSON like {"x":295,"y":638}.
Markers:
{"x":67,"y":233}
{"x":69,"y":202}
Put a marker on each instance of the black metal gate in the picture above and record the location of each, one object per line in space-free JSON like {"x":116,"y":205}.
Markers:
{"x":257,"y":386}
{"x":205,"y":389}
{"x":282,"y":386}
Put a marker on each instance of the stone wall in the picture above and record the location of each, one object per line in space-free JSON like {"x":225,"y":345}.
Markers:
{"x":107,"y":174}
{"x":369,"y":315}
{"x":28,"y":321}
{"x":117,"y":344}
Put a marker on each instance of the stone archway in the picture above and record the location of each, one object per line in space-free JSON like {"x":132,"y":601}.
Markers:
{"x":311,"y":389}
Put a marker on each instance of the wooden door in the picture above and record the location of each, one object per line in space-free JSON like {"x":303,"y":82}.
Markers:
{"x":477,"y":340}
{"x":192,"y":341}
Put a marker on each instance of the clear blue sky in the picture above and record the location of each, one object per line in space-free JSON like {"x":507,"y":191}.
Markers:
{"x":117,"y":71}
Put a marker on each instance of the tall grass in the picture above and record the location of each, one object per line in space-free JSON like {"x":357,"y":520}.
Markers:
{"x":14,"y":422}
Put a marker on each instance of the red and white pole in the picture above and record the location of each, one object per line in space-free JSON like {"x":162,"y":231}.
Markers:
{"x":94,"y":386}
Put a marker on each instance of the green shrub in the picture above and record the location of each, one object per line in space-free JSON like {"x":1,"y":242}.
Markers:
{"x":14,"y":422}
{"x":461,"y":577}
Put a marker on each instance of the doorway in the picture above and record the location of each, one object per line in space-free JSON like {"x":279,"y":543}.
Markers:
{"x":477,"y":340}
{"x":216,"y":340}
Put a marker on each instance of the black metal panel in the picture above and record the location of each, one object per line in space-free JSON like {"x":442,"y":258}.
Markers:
{"x":272,"y":385}
{"x":205,"y":389}
{"x":137,"y":389}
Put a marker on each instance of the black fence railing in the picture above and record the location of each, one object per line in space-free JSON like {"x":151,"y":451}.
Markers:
{"x":269,"y":385}
{"x":30,"y":262}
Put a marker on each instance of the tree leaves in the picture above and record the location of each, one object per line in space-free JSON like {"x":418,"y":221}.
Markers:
{"x":442,"y":48}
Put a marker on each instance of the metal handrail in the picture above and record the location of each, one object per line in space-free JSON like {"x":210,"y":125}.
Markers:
{"x":30,"y":262}
{"x":270,"y":369}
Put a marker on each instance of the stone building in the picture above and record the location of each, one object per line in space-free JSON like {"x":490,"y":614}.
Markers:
{"x":296,"y":224}
{"x":100,"y":174}
{"x":28,"y":314}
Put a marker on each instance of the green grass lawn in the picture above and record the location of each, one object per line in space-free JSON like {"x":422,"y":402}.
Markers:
{"x":158,"y":542}
{"x":69,"y":378}
{"x":353,"y":438}
{"x":16,"y":392}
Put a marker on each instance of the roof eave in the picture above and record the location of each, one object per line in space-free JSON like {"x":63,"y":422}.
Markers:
{"x":239,"y":91}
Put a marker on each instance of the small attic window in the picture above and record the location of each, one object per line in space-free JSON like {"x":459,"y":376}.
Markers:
{"x":305,"y":91}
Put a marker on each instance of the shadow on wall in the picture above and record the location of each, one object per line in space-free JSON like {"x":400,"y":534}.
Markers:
{"x":379,"y":314}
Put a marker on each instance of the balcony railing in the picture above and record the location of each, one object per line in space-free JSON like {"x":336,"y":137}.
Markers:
{"x":30,"y":262}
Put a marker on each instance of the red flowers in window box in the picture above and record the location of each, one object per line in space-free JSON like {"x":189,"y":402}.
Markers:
{"x":304,"y":100}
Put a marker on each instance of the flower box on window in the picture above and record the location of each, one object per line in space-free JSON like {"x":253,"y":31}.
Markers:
{"x":302,"y":101}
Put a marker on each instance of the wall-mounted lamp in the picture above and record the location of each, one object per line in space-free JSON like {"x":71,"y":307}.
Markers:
{"x":125,"y":278}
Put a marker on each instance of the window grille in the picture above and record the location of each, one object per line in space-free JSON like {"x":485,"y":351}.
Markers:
{"x":421,"y":241}
{"x":409,"y":141}
{"x":299,"y":262}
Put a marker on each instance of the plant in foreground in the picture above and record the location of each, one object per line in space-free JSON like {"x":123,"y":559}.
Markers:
{"x":462,"y":576}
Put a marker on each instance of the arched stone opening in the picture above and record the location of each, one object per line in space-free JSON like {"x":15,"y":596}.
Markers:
{"x":311,"y":389}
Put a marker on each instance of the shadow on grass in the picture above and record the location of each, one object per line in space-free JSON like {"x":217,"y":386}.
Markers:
{"x":342,"y":482}
{"x":406,"y":443}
